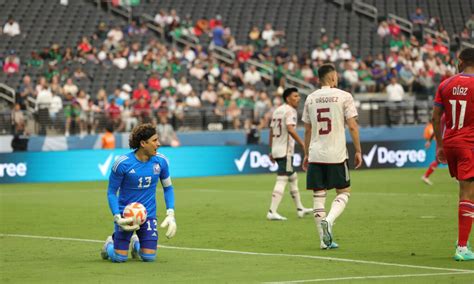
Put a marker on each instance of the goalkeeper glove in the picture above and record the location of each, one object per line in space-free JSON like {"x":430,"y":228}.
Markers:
{"x":169,"y":222}
{"x":125,"y":224}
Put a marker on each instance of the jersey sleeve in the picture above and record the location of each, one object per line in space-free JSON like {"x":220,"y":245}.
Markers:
{"x":291,"y":117}
{"x":165,"y":172}
{"x":168,"y":188}
{"x":115,"y":180}
{"x":305,"y":117}
{"x":438,"y":99}
{"x":350,"y":109}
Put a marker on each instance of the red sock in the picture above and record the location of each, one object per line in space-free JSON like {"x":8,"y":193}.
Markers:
{"x":431,"y":169}
{"x":465,"y":215}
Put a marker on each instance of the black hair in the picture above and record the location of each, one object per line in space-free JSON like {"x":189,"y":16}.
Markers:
{"x":109,"y":127}
{"x":288,"y":92}
{"x":140,"y":133}
{"x":324,"y":70}
{"x":467,"y":56}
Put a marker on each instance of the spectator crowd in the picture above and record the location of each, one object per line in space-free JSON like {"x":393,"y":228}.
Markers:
{"x":187,"y":83}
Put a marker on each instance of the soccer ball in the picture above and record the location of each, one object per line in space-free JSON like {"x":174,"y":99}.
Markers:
{"x":137,"y":211}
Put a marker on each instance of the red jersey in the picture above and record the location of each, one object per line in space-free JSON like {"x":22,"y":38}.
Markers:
{"x":114,"y":111}
{"x":456,"y":96}
{"x":138,"y":94}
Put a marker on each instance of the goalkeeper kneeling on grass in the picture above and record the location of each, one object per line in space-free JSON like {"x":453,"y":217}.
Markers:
{"x":133,"y":178}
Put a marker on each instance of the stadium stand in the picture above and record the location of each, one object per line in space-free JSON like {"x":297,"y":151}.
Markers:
{"x":300,"y":27}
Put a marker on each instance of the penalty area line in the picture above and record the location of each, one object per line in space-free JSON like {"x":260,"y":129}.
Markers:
{"x":369,"y":277}
{"x":257,"y":253}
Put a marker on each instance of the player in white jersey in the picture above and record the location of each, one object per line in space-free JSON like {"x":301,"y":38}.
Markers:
{"x":282,"y":143}
{"x":326,"y":111}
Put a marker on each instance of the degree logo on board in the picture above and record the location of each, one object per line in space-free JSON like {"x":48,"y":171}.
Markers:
{"x":259,"y":160}
{"x":384,"y":155}
{"x":106,"y":165}
{"x":13,"y":170}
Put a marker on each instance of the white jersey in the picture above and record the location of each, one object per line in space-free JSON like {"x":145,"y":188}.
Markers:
{"x":283,"y":145}
{"x":327,"y":110}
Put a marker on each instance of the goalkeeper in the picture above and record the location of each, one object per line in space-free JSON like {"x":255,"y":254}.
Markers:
{"x":133,"y":178}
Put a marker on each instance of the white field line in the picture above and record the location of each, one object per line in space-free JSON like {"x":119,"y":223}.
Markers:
{"x":370,"y":277}
{"x":215,"y":190}
{"x":258,"y":254}
{"x":303,"y":190}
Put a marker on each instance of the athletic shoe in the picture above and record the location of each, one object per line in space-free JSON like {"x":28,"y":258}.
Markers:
{"x":275,"y":217}
{"x":332,"y":246}
{"x":327,"y":234}
{"x":103,"y":252}
{"x":134,"y":240}
{"x":468,"y":245}
{"x":463,"y":254}
{"x":301,"y":212}
{"x":426,"y":180}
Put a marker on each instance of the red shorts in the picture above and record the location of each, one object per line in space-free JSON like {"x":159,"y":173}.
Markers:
{"x":460,"y":162}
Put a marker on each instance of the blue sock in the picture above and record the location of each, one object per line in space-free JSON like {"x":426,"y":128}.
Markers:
{"x":115,"y":257}
{"x":148,"y":257}
{"x":136,"y":246}
{"x":110,"y":250}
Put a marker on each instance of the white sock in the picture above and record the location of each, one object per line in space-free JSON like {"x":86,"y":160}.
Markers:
{"x":277,"y":194}
{"x":319,"y":200}
{"x":294,"y":192}
{"x":461,"y":249}
{"x":338,"y":206}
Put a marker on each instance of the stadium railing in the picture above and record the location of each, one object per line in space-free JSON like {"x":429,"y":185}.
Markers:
{"x":122,"y":10}
{"x":303,"y":86}
{"x":341,"y":3}
{"x":373,"y":112}
{"x":150,"y":23}
{"x":435,"y":34}
{"x":405,"y":25}
{"x":6,"y":93}
{"x":264,"y":70}
{"x":365,"y":9}
{"x":465,"y":44}
{"x":222,"y":54}
{"x":186,"y":39}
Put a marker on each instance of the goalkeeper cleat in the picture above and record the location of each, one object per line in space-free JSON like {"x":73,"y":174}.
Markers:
{"x":135,"y":252}
{"x":426,"y":180}
{"x":275,"y":217}
{"x":463,"y":254}
{"x":303,"y":211}
{"x":103,"y":252}
{"x":327,"y":234}
{"x":332,"y":246}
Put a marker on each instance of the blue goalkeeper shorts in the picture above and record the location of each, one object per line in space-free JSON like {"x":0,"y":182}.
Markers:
{"x":147,"y":234}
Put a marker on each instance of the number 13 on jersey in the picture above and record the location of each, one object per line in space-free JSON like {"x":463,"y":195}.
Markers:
{"x":147,"y":182}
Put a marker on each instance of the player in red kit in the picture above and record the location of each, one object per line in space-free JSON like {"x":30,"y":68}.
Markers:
{"x":455,"y":98}
{"x":429,"y":135}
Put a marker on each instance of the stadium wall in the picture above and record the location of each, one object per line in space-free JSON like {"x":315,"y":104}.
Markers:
{"x":189,"y":161}
{"x":204,"y":138}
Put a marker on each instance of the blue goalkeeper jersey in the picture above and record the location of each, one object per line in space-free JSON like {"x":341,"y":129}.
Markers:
{"x":136,"y":181}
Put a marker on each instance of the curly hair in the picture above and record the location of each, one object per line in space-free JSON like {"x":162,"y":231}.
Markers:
{"x":139,"y":133}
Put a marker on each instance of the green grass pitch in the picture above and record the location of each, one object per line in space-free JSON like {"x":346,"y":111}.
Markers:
{"x":395,"y":229}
